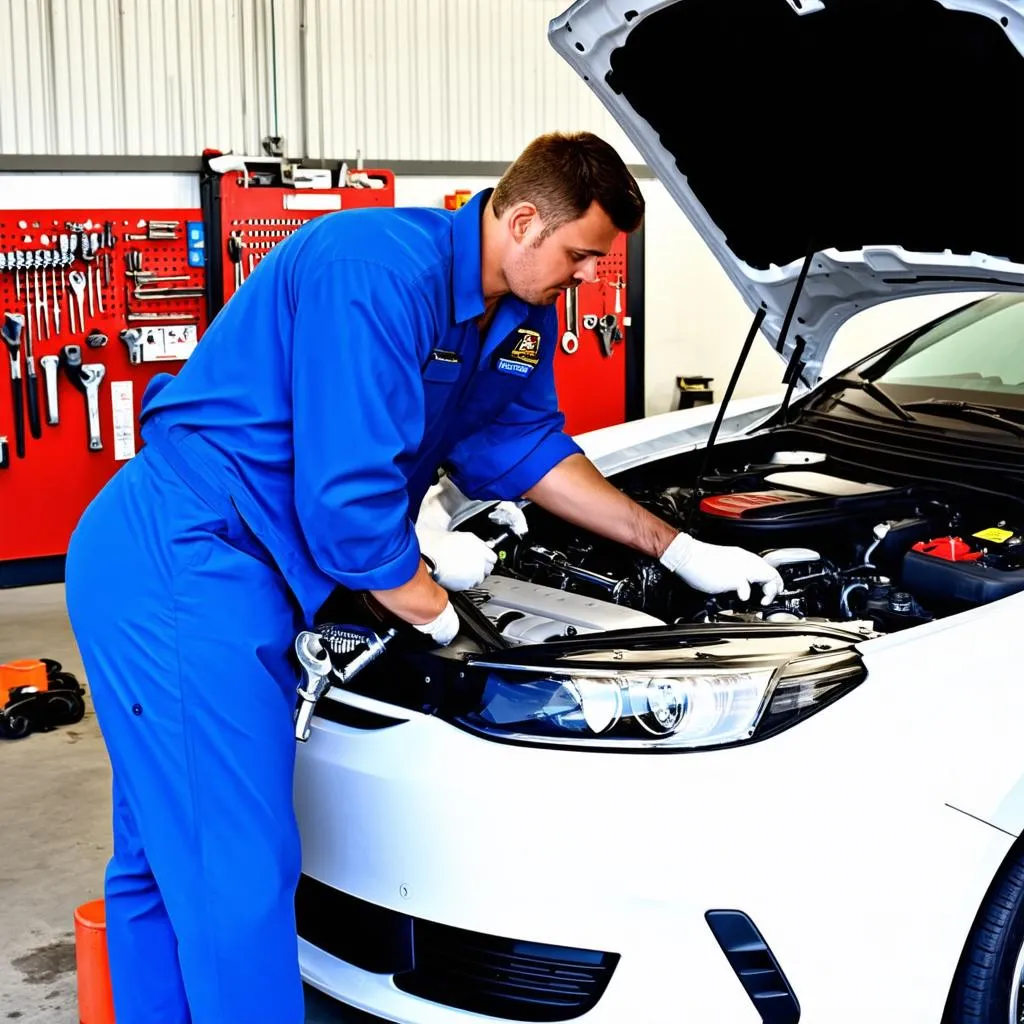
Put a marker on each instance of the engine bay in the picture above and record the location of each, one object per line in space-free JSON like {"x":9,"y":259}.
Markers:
{"x":871,"y":552}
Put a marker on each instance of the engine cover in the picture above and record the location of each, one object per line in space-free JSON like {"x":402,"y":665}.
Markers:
{"x":797,"y":507}
{"x":525,"y":612}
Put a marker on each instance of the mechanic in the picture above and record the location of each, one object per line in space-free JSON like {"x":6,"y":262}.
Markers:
{"x":290,"y":456}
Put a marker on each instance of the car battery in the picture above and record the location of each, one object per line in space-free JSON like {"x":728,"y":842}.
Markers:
{"x":958,"y":572}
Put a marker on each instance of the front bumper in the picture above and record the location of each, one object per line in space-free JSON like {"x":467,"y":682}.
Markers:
{"x":843,"y":867}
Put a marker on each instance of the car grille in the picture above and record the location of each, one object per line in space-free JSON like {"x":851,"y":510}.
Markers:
{"x":486,"y":974}
{"x":504,"y":977}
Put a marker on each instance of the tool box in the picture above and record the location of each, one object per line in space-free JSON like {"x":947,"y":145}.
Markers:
{"x":249,"y":209}
{"x":37,"y":695}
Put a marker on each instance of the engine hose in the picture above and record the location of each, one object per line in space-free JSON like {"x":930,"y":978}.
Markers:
{"x":844,"y":599}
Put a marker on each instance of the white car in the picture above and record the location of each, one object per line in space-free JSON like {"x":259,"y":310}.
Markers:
{"x":615,"y":799}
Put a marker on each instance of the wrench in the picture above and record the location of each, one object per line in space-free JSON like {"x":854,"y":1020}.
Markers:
{"x":10,"y":334}
{"x":92,"y":376}
{"x":49,"y":366}
{"x":358,"y":644}
{"x":571,"y":338}
{"x":56,"y":304}
{"x":132,"y":337}
{"x":40,"y":304}
{"x":94,"y":248}
{"x":77,"y":281}
{"x":316,"y":663}
{"x":46,"y":300}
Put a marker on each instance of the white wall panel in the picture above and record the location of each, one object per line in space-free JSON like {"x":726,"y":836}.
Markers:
{"x":393,"y":79}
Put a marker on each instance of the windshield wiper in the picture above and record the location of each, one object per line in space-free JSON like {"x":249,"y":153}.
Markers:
{"x":875,"y":392}
{"x":966,"y":411}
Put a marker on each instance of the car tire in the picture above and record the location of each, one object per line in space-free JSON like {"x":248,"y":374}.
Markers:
{"x":990,"y":979}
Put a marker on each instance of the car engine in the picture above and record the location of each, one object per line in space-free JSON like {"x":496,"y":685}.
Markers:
{"x":874,"y":556}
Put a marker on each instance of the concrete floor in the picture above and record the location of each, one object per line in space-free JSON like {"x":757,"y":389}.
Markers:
{"x":55,"y":833}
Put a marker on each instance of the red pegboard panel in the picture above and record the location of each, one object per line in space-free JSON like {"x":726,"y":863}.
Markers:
{"x":43,"y":495}
{"x":262,"y":216}
{"x":592,"y":386}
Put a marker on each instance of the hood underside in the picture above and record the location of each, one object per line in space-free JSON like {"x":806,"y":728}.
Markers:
{"x":881,"y":136}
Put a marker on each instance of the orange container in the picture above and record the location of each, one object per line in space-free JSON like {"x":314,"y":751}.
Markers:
{"x":95,"y":1001}
{"x":28,"y":672}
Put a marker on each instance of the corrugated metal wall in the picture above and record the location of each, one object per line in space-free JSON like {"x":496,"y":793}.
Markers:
{"x":394,"y":79}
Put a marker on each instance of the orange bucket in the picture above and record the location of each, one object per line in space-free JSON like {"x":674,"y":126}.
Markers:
{"x":28,"y":672}
{"x":95,"y":1001}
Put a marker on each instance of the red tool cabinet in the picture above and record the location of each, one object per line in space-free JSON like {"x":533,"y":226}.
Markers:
{"x":246,"y":219}
{"x":600,"y":385}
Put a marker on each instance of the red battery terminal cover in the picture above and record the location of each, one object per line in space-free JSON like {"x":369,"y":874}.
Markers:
{"x":952,"y":549}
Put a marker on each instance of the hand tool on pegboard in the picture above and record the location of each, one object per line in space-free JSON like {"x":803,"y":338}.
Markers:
{"x":10,"y":332}
{"x":251,"y":205}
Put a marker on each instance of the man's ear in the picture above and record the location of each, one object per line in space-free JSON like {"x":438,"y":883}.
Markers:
{"x":521,"y":218}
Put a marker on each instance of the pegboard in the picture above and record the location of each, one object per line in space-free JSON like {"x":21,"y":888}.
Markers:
{"x":43,"y":494}
{"x":247,"y":221}
{"x":592,"y":379}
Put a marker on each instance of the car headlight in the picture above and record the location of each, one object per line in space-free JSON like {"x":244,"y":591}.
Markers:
{"x":661,"y":708}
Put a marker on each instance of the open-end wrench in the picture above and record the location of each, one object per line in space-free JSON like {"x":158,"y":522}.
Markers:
{"x":88,"y":255}
{"x":49,"y":366}
{"x":571,"y":338}
{"x":92,"y":377}
{"x":132,"y":337}
{"x":86,"y":377}
{"x":53,"y":294}
{"x":28,"y":301}
{"x":40,"y":302}
{"x":95,"y":244}
{"x":45,"y":257}
{"x":316,"y":664}
{"x":77,"y":281}
{"x":358,"y":645}
{"x":10,"y":333}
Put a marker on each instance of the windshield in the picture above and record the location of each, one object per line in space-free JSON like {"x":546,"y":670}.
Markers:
{"x":979,"y":350}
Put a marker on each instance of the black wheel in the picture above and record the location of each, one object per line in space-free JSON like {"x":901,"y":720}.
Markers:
{"x":51,"y":665}
{"x":989,"y":986}
{"x":14,"y":727}
{"x":65,"y":708}
{"x":65,"y":681}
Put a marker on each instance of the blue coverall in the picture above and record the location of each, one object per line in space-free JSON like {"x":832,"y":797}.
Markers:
{"x":289,"y":456}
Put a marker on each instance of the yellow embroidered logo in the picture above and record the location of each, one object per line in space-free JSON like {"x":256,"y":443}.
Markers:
{"x":527,"y":348}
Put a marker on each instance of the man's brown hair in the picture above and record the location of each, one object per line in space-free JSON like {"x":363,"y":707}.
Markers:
{"x":563,"y":173}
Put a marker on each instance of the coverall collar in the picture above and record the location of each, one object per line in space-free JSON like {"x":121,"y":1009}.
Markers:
{"x":466,"y":282}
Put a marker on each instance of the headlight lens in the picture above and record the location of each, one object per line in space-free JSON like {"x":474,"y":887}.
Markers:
{"x":660,"y":710}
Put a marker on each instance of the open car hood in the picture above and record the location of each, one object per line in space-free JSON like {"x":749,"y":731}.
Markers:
{"x":883,"y":136}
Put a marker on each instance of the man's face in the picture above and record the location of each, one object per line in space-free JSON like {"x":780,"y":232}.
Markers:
{"x":538,"y":269}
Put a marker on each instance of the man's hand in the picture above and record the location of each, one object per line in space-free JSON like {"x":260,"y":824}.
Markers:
{"x":444,"y":628}
{"x":508,"y":513}
{"x":717,"y":570}
{"x":576,"y":491}
{"x":459,"y":560}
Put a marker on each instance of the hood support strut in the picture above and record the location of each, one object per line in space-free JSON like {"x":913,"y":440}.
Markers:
{"x":794,"y":371}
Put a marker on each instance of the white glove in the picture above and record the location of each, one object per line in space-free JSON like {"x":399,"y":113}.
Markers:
{"x":444,"y":628}
{"x":715,"y":569}
{"x":509,"y":514}
{"x":460,"y":560}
